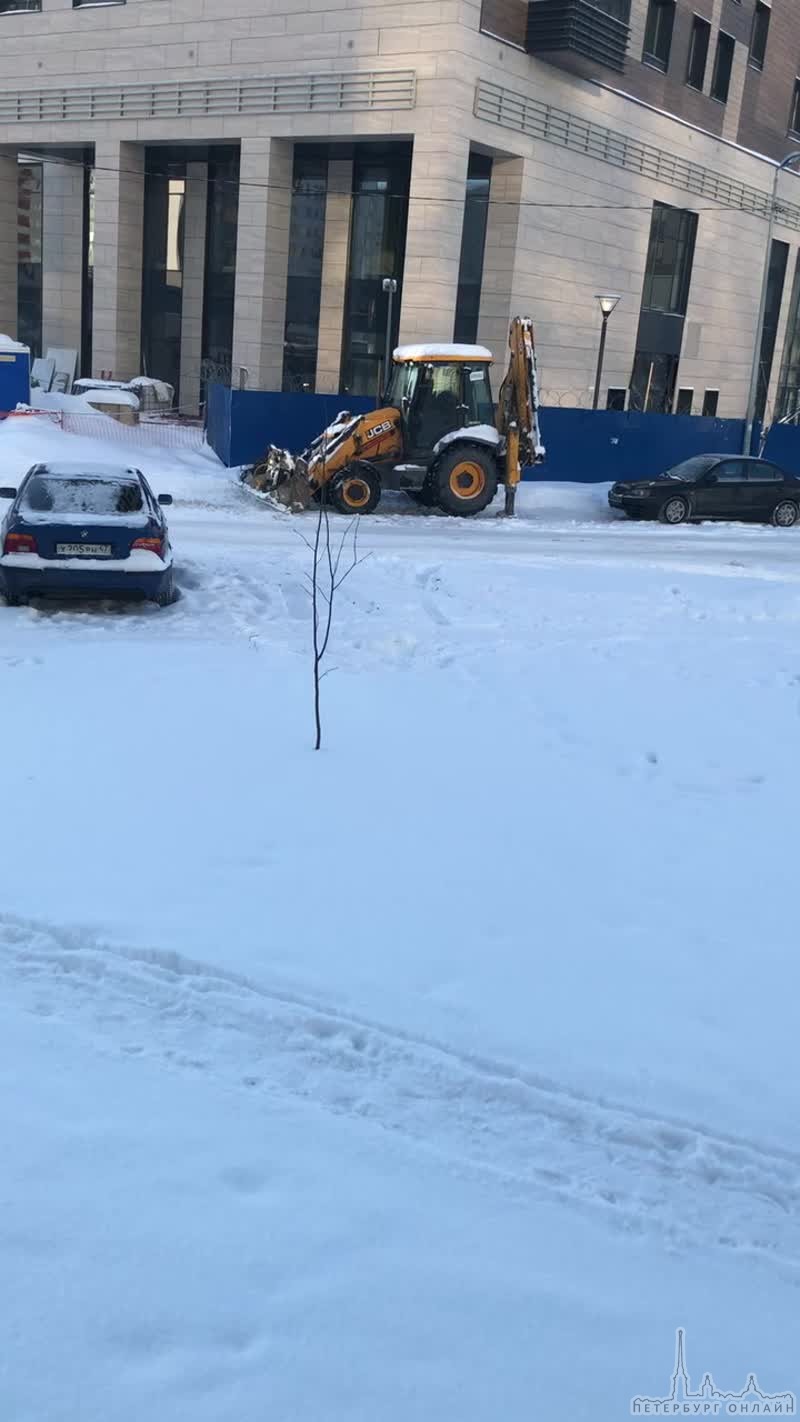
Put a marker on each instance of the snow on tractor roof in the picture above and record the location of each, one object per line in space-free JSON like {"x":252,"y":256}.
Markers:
{"x":440,"y":352}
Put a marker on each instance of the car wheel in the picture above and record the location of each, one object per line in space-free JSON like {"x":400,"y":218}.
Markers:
{"x":674,"y":510}
{"x":785,"y":514}
{"x":168,"y":593}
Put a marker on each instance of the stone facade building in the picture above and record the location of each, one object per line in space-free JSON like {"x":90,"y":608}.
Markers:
{"x":200,"y":189}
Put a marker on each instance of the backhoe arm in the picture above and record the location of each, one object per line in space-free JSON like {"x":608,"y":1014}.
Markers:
{"x":518,"y":407}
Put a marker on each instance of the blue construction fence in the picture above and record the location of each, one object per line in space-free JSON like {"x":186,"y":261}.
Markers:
{"x":585,"y":446}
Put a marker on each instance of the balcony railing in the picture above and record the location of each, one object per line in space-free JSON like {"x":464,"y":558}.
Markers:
{"x":595,"y":29}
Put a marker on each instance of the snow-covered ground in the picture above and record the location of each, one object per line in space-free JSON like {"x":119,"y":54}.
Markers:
{"x":442,"y":1075}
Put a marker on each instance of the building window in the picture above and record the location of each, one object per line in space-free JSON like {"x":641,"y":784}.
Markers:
{"x":615,"y":399}
{"x":778,"y":257}
{"x":162,"y":264}
{"x":473,"y":246}
{"x":723,"y":64}
{"x":13,"y":7}
{"x":794,"y":117}
{"x":381,"y":181}
{"x":758,"y":35}
{"x":665,"y":294}
{"x":94,"y":4}
{"x":222,"y":225}
{"x":658,"y":33}
{"x":698,"y":52}
{"x":710,"y":403}
{"x":683,"y":404}
{"x":304,"y":282}
{"x":29,"y":256}
{"x":788,"y":401}
{"x":669,"y":260}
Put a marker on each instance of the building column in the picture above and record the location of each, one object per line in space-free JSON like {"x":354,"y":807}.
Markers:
{"x":118,"y":251}
{"x":194,"y":275}
{"x":335,"y":262}
{"x":498,"y":289}
{"x":433,"y":242}
{"x":8,"y":244}
{"x":62,"y":256}
{"x":262,"y":262}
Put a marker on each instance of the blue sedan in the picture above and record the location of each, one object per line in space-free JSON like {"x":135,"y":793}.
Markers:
{"x":85,"y":530}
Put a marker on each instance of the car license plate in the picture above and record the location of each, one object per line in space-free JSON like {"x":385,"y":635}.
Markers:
{"x":83,"y":550}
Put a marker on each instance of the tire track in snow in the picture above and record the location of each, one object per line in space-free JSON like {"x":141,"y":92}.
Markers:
{"x":646,"y":1174}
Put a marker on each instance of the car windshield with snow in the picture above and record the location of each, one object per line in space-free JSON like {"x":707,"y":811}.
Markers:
{"x":85,"y":531}
{"x":689,"y":469}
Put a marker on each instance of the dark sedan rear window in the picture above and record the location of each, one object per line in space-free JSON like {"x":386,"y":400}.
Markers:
{"x":82,"y":496}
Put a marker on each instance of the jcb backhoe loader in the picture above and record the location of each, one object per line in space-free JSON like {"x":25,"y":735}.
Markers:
{"x":437,"y":437}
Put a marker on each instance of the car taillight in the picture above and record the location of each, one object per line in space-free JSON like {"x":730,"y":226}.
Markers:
{"x":19,"y":543}
{"x":150,"y":545}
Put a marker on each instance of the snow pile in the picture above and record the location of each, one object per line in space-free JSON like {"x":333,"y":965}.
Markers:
{"x":468,"y":1133}
{"x":7,"y":343}
{"x":90,"y":383}
{"x":30,"y":441}
{"x":163,"y":393}
{"x":112,"y":396}
{"x":54,"y":400}
{"x":485,"y":434}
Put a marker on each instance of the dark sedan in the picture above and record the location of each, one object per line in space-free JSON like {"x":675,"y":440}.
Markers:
{"x":713,"y":486}
{"x":85,"y":530}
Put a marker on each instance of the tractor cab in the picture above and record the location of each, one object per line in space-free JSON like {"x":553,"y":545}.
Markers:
{"x":439,"y":389}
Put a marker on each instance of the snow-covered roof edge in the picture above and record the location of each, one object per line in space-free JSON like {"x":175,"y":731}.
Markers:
{"x":442,"y":351}
{"x":7,"y":343}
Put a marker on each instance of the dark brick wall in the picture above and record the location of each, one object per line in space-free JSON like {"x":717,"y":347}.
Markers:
{"x":670,"y":91}
{"x":767,"y":99}
{"x":505,"y":18}
{"x":767,"y":95}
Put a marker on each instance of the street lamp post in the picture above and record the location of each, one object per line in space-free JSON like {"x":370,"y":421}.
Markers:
{"x":390,"y":287}
{"x":752,"y":399}
{"x":607,"y":304}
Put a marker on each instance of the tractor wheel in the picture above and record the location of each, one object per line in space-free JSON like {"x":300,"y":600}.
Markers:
{"x":465,"y":480}
{"x":356,"y":491}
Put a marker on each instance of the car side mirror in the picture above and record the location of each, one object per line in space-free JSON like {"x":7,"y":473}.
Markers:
{"x":165,"y":499}
{"x":710,"y":479}
{"x":8,"y":493}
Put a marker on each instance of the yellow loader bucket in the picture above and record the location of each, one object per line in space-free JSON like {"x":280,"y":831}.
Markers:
{"x":282,"y":479}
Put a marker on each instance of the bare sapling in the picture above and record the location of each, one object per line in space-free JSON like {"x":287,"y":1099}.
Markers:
{"x":333,"y":559}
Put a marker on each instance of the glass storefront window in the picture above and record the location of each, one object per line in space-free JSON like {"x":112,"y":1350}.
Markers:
{"x":669,"y":260}
{"x":304,"y":282}
{"x":222,"y":224}
{"x":377,"y":250}
{"x":788,"y":402}
{"x":778,"y":258}
{"x":473,"y":246}
{"x":29,"y":256}
{"x":162,"y":267}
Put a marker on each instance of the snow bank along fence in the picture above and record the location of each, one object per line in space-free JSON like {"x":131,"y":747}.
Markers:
{"x":160,"y":433}
{"x":588,"y":446}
